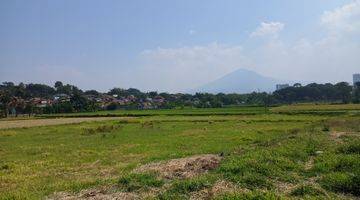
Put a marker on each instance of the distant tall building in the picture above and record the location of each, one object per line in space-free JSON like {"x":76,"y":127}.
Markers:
{"x":356,"y":78}
{"x":281,"y":86}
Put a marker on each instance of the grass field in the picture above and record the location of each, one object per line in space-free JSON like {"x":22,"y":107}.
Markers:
{"x":32,"y":122}
{"x":261,"y":155}
{"x":316,"y":108}
{"x":319,"y":109}
{"x":239,"y":110}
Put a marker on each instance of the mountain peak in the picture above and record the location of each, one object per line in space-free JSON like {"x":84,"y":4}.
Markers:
{"x":240,"y":81}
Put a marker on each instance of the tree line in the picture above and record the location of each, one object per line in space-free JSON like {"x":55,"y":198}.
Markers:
{"x":19,"y":98}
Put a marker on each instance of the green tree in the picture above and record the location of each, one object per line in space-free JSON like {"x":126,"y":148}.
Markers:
{"x":79,"y":102}
{"x":344,"y":91}
{"x":297,"y":85}
{"x":58,"y":84}
{"x":5,"y":100}
{"x":29,"y":108}
{"x":356,"y":93}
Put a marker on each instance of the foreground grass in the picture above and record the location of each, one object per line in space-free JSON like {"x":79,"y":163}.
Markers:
{"x":262,"y":152}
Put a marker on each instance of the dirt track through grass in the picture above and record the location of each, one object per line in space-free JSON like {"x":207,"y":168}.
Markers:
{"x":6,"y":124}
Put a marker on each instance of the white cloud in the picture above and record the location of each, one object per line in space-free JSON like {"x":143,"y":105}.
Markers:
{"x":328,"y":60}
{"x":268,"y":29}
{"x":192,"y":32}
{"x":332,"y":58}
{"x":343,"y":19}
{"x":183,"y":68}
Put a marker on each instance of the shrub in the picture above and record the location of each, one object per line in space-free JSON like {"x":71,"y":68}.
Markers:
{"x":112,"y":106}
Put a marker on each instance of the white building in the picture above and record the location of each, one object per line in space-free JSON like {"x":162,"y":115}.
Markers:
{"x":356,"y":78}
{"x":281,"y":86}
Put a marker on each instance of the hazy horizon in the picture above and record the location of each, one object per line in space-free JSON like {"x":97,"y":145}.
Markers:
{"x":177,"y":45}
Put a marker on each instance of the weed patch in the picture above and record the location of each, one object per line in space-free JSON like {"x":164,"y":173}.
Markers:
{"x":101,"y":129}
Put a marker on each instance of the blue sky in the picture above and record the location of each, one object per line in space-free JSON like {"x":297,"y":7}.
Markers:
{"x":175,"y":45}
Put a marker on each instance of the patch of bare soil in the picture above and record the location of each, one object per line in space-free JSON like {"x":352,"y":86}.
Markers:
{"x":337,"y":135}
{"x":310,"y":163}
{"x":106,"y":194}
{"x":6,"y":124}
{"x":285,"y":188}
{"x":183,"y":167}
{"x":288,"y":188}
{"x":175,"y":168}
{"x":94,"y":194}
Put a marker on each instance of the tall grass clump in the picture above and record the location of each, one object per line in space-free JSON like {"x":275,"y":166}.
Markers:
{"x":101,"y":129}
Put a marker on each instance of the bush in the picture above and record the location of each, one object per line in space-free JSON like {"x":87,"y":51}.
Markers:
{"x":112,"y":106}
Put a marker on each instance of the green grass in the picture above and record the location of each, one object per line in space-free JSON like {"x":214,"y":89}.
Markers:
{"x":261,"y":151}
{"x":253,"y":195}
{"x":131,"y":182}
{"x":313,"y":108}
{"x":307,"y":190}
{"x":238,"y":110}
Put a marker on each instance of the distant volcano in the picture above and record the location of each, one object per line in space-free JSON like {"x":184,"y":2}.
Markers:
{"x":240,"y":81}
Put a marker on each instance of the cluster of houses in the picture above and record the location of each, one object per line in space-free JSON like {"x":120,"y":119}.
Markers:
{"x":146,"y":103}
{"x":103,"y":101}
{"x":44,"y":102}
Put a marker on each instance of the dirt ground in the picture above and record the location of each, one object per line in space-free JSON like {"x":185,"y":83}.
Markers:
{"x":172,"y":169}
{"x":183,"y":167}
{"x":6,"y":124}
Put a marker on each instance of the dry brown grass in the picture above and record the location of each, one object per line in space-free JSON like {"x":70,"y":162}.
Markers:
{"x":94,"y":194}
{"x":183,"y":167}
{"x":7,"y":124}
{"x":176,"y":168}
